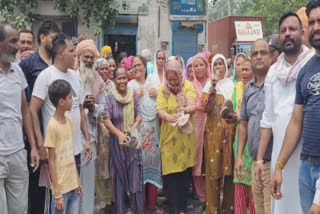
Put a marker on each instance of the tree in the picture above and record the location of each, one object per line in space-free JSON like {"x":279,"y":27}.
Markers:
{"x":99,"y":11}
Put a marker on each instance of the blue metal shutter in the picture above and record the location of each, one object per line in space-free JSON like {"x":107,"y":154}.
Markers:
{"x":185,"y":43}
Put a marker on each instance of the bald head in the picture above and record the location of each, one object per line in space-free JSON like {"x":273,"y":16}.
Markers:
{"x":260,"y":56}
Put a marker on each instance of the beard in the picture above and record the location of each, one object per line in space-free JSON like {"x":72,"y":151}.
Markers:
{"x":314,"y":43}
{"x":8,"y":58}
{"x":86,"y":73}
{"x":291,"y":50}
{"x":48,"y":49}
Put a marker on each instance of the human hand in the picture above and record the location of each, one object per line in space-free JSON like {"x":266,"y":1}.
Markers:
{"x":140,"y":92}
{"x":123,"y":138}
{"x":60,"y":204}
{"x":88,"y":151}
{"x":79,"y":190}
{"x":239,"y":167}
{"x":259,"y":173}
{"x":233,"y":118}
{"x":153,"y":92}
{"x":315,"y":209}
{"x":173,"y":118}
{"x":43,"y":154}
{"x":276,"y":182}
{"x":89,"y":103}
{"x":35,"y":159}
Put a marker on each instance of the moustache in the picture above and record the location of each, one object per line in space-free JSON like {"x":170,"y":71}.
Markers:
{"x":288,"y":40}
{"x":315,"y":33}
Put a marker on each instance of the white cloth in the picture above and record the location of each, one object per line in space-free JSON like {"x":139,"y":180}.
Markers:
{"x":155,"y":75}
{"x":279,"y":102}
{"x":40,"y":90}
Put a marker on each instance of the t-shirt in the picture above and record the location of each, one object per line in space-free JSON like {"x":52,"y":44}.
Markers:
{"x":308,"y":94}
{"x":12,"y":84}
{"x":40,"y":90}
{"x":59,"y":136}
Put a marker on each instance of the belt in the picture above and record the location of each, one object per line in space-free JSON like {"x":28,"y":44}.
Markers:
{"x":313,"y":161}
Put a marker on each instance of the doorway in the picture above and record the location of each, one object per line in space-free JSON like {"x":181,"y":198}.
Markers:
{"x":121,"y":43}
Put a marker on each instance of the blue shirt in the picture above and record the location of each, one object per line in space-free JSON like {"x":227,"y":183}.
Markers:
{"x":308,"y":94}
{"x":31,"y":67}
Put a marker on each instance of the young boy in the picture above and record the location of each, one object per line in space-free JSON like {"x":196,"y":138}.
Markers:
{"x":63,"y":172}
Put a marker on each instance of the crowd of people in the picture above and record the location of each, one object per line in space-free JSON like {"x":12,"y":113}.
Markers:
{"x":83,"y":132}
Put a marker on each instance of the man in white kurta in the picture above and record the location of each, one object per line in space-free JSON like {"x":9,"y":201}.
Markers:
{"x":279,"y":101}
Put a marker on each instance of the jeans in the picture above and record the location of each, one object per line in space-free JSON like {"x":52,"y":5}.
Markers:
{"x":308,"y":177}
{"x":70,"y":203}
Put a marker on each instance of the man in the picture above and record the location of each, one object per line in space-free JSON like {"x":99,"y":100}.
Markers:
{"x":304,"y":123}
{"x":250,"y":116}
{"x":92,"y":88}
{"x":31,"y":67}
{"x":26,"y":44}
{"x":280,"y":94}
{"x":274,"y":48}
{"x":14,"y":114}
{"x":304,"y":21}
{"x":63,"y":55}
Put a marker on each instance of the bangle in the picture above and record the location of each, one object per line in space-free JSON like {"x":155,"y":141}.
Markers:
{"x":280,"y":165}
{"x":259,"y":161}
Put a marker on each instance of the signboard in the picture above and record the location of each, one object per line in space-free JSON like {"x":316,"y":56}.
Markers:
{"x":188,"y":7}
{"x":133,"y":7}
{"x":248,"y":31}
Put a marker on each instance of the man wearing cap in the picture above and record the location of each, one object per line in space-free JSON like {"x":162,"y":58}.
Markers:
{"x":92,"y":88}
{"x":279,"y":99}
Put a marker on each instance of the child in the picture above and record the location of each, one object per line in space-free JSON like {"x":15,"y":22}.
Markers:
{"x":63,"y":172}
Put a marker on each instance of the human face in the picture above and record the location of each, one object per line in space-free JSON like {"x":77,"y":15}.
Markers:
{"x":138,"y":68}
{"x":172,"y":79}
{"x":274,"y":56}
{"x":239,"y":61}
{"x":290,"y":36}
{"x":121,"y":80}
{"x":160,"y":59}
{"x":314,"y":28}
{"x":25,"y":42}
{"x":68,"y":54}
{"x":260,"y":56}
{"x":190,"y":72}
{"x":9,"y":46}
{"x":122,"y":61}
{"x":87,"y":58}
{"x":46,"y":41}
{"x":112,"y":67}
{"x":246,"y":72}
{"x":66,"y":103}
{"x":200,"y":68}
{"x":104,"y":72}
{"x":219,"y":68}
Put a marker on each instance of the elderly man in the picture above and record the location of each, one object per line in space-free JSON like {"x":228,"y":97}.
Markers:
{"x":15,"y":113}
{"x":92,"y":88}
{"x":280,"y":94}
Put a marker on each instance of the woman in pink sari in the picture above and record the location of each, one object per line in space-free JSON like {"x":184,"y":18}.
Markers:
{"x":201,"y":75}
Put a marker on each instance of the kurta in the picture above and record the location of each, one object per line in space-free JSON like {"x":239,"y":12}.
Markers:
{"x":125,"y":162}
{"x":149,"y":135}
{"x":178,"y":150}
{"x":246,"y":157}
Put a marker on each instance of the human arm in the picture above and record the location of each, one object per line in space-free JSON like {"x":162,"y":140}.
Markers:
{"x":242,"y":139}
{"x":315,"y":209}
{"x":290,"y":142}
{"x":28,"y":128}
{"x":84,"y":130}
{"x":191,"y":106}
{"x":121,"y":135}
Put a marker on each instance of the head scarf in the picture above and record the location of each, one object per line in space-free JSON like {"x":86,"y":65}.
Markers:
{"x":174,"y":65}
{"x":196,"y":83}
{"x":303,"y":16}
{"x":182,"y":65}
{"x":224,"y":86}
{"x":234,"y":75}
{"x":206,"y":54}
{"x":189,"y":62}
{"x":155,"y":75}
{"x":128,"y":62}
{"x":105,"y":50}
{"x":87,"y":44}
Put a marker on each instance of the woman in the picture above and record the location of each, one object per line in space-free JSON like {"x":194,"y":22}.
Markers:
{"x":129,"y":69}
{"x":121,"y":58}
{"x":218,"y":140}
{"x":201,"y":76}
{"x":237,"y":62}
{"x":242,"y":184}
{"x":149,"y":133}
{"x":122,"y":113}
{"x":112,"y":65}
{"x":103,"y":190}
{"x":158,"y":73}
{"x":189,"y":70}
{"x":177,"y":148}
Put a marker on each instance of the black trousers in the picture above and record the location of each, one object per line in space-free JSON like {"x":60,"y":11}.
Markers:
{"x":177,"y":187}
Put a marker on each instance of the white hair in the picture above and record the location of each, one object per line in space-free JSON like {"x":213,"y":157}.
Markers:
{"x":146,"y":53}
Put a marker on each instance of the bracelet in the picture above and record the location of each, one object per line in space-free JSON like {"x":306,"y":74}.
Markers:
{"x":259,"y":161}
{"x":280,"y":165}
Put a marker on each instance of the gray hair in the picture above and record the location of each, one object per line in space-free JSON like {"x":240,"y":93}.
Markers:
{"x":146,"y":53}
{"x":99,"y":62}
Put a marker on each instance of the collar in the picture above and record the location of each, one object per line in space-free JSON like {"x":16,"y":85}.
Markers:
{"x":11,"y":69}
{"x":253,"y":82}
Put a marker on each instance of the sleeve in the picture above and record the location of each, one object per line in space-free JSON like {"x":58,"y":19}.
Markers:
{"x":51,"y":138}
{"x":108,"y":108}
{"x":137,"y":111}
{"x":243,"y":111}
{"x":41,"y":87}
{"x":24,"y":83}
{"x":189,"y":90}
{"x":316,"y":199}
{"x":25,"y":67}
{"x":162,"y":102}
{"x":299,"y":97}
{"x":268,"y":114}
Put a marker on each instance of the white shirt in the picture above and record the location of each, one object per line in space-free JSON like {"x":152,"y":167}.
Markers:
{"x":40,"y":90}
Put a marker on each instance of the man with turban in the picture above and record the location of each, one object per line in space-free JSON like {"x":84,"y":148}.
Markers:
{"x":105,"y":50}
{"x":92,"y":88}
{"x":305,"y":24}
